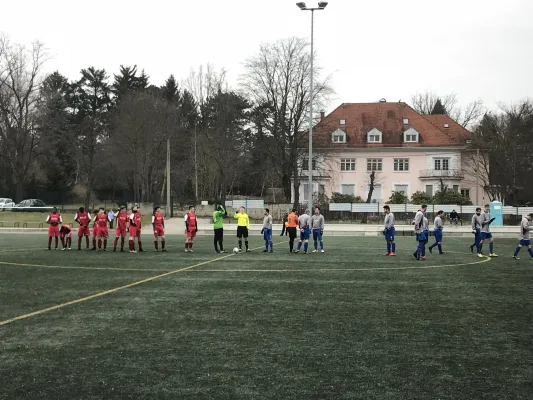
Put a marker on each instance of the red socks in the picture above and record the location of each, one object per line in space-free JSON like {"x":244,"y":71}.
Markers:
{"x":162,"y":244}
{"x":122,"y":242}
{"x":132,"y":245}
{"x":99,"y":243}
{"x":49,"y":241}
{"x":156,"y":244}
{"x":116,"y":242}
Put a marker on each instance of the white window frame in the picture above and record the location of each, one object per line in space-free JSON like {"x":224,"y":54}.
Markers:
{"x":408,"y":134}
{"x":404,"y":161}
{"x":351,"y":162}
{"x":406,"y":121}
{"x":374,"y":133}
{"x":432,"y":190}
{"x":354,"y":184}
{"x":339,"y":133}
{"x":441,"y":163}
{"x":407,"y":192}
{"x":342,"y":122}
{"x":467,"y":190}
{"x":305,"y":164}
{"x":377,"y":161}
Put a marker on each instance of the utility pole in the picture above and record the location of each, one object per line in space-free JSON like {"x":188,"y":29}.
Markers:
{"x":168,"y":208}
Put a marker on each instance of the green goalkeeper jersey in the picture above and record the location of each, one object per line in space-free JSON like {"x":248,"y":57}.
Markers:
{"x":218,"y":218}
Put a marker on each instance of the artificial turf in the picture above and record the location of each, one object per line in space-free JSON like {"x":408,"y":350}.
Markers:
{"x":346,"y":324}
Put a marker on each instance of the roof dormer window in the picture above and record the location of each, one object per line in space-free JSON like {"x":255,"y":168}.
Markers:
{"x":374,"y":136}
{"x":410,"y":136}
{"x":338,"y":136}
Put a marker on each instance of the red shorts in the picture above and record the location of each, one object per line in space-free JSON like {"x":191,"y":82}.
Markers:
{"x":84,"y":231}
{"x":135,"y":231}
{"x":103,"y":232}
{"x":53,"y":230}
{"x":191,"y":235}
{"x":159,"y":231}
{"x":120,"y":232}
{"x":95,"y":231}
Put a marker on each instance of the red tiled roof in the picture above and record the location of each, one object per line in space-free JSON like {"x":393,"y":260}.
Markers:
{"x":361,"y":118}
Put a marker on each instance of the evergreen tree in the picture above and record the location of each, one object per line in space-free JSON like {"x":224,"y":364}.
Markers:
{"x":127,"y":82}
{"x":171,"y":92}
{"x":438,"y":108}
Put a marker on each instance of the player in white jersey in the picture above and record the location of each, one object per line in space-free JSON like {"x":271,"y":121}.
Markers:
{"x":525,"y":238}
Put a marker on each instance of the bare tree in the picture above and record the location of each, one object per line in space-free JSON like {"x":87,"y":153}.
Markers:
{"x":466,"y":116}
{"x":205,"y":82}
{"x":277,"y":81}
{"x":20,"y":80}
{"x":143,"y":122}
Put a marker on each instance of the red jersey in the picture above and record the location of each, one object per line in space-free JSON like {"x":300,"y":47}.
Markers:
{"x":101,"y":220}
{"x":54,"y":219}
{"x":158,"y":220}
{"x":135,"y":220}
{"x":191,"y":222}
{"x":122,"y":220}
{"x":84,"y":218}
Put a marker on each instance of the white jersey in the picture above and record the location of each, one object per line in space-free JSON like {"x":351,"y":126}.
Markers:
{"x":525,"y":229}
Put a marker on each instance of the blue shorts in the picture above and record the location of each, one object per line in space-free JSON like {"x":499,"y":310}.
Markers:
{"x":421,"y":237}
{"x":389,"y":234}
{"x":267,"y":234}
{"x":438,"y":235}
{"x":317,"y":235}
{"x":525,"y":242}
{"x":485,"y":235}
{"x":305,"y":234}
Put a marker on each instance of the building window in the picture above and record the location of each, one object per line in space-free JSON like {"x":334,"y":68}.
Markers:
{"x":348,"y":189}
{"x":401,"y":188}
{"x":306,"y":192}
{"x":465,"y":193}
{"x":410,"y":136}
{"x":338,"y":136}
{"x":401,"y":164}
{"x":321,"y":190}
{"x":374,"y":136}
{"x":442,"y":164}
{"x":374,"y":164}
{"x":429,"y":190}
{"x":305,"y":165}
{"x":348,"y":164}
{"x":342,"y":122}
{"x":456,"y":188}
{"x":405,"y":121}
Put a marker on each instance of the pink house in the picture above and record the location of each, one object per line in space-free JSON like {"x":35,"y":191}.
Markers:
{"x":410,"y":152}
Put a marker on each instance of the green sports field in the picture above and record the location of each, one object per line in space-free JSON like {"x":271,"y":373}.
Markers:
{"x":346,"y":324}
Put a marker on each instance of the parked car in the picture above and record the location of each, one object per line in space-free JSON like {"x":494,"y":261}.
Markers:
{"x":6,"y":203}
{"x":30,"y":205}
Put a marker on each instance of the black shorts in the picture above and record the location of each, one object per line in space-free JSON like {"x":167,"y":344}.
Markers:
{"x":242,"y":231}
{"x":292,"y":232}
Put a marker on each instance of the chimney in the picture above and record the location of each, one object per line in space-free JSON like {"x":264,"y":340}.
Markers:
{"x":322,"y":115}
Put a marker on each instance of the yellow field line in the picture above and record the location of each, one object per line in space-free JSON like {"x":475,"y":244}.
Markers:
{"x":74,"y":267}
{"x":106,"y":292}
{"x":486,"y":259}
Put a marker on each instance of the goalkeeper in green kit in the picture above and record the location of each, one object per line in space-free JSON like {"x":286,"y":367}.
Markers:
{"x":218,"y":226}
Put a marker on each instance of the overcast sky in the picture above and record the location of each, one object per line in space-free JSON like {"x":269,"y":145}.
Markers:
{"x":373,"y":49}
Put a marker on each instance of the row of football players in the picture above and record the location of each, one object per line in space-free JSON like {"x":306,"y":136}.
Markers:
{"x":127,"y":224}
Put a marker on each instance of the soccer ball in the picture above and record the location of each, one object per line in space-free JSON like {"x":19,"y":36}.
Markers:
{"x":235,"y":250}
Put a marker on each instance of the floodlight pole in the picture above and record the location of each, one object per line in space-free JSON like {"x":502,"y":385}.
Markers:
{"x":302,"y":7}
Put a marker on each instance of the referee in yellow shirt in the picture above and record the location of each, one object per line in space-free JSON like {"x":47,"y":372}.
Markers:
{"x":243,"y":226}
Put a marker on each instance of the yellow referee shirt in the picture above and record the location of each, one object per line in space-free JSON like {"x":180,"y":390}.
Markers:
{"x":242,"y":219}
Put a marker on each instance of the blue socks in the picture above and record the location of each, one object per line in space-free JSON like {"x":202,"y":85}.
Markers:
{"x":299,"y":246}
{"x":393,"y":247}
{"x":316,"y":245}
{"x":491,"y":247}
{"x":271,"y":245}
{"x":440,"y":248}
{"x":321,"y":245}
{"x":388,"y":247}
{"x":530,"y":251}
{"x":306,"y":246}
{"x":517,"y":250}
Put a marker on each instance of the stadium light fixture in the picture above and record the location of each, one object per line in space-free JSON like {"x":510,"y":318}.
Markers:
{"x":321,"y":5}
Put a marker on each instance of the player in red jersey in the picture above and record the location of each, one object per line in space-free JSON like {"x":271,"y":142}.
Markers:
{"x":53,"y":219}
{"x":135,"y":229}
{"x":83,"y":218}
{"x":101,"y":220}
{"x":66,"y":233}
{"x":122,"y":227}
{"x":158,"y":223}
{"x":191,"y":228}
{"x":95,"y":230}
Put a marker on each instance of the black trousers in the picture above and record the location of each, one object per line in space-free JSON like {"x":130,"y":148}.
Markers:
{"x":292,"y":237}
{"x":219,"y":238}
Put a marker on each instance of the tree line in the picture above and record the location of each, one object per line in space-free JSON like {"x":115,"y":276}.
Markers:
{"x":104,"y":136}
